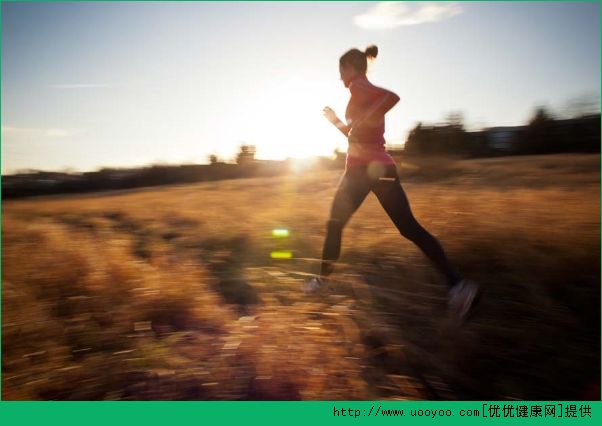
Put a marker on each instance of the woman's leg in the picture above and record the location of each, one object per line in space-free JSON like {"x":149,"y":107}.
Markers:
{"x":392,"y":197}
{"x":353,"y":188}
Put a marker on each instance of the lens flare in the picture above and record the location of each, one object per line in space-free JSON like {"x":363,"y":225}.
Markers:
{"x":282,"y":254}
{"x":280,"y":233}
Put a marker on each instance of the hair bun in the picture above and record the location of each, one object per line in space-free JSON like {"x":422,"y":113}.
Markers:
{"x":371,"y":51}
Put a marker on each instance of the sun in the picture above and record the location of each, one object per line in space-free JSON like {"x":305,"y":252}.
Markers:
{"x":286,"y":121}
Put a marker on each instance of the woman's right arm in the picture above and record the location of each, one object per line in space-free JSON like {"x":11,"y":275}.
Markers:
{"x":332,"y":117}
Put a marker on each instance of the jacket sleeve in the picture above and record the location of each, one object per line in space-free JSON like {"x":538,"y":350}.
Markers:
{"x":373,"y":101}
{"x":366,"y":91}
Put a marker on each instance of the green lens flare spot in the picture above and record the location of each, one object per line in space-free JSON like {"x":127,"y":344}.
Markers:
{"x":280,"y":233}
{"x":281,"y":255}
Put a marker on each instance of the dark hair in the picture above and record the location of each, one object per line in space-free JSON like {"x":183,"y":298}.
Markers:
{"x":358,"y":59}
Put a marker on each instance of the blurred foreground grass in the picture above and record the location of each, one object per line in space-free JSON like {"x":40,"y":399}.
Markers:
{"x":171,"y":293}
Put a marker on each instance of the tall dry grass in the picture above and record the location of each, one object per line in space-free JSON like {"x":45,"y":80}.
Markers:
{"x":171,"y":293}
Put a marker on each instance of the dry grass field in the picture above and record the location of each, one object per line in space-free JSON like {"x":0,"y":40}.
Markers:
{"x":171,"y":292}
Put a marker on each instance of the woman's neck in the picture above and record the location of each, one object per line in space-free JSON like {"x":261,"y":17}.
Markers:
{"x":358,"y":76}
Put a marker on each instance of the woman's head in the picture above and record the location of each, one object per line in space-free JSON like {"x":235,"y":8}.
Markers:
{"x":355,"y":62}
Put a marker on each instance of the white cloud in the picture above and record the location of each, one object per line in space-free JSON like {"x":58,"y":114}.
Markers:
{"x":77,"y":86}
{"x":51,"y":132}
{"x":386,"y":15}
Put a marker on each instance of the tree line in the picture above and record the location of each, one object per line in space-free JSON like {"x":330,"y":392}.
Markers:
{"x":543,"y":134}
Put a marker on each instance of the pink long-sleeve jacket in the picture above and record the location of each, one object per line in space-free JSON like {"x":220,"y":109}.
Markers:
{"x":367,"y":144}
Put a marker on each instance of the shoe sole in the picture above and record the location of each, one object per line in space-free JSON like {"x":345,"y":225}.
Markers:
{"x":469,"y":307}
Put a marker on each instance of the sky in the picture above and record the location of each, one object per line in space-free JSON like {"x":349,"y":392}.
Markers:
{"x":119,"y":84}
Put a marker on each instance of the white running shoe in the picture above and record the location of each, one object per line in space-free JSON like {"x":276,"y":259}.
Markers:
{"x":314,"y":284}
{"x":462,"y":297}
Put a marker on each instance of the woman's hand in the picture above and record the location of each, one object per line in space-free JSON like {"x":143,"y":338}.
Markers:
{"x":330,"y":115}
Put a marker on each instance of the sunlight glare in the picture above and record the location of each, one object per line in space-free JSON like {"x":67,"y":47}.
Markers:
{"x":287,"y":121}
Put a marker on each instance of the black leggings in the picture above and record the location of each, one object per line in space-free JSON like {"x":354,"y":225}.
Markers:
{"x":383,"y":180}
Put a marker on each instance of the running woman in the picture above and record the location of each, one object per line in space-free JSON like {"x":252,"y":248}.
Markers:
{"x":370,"y":168}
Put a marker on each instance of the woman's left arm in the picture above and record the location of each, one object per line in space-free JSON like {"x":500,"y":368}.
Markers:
{"x":378,"y":109}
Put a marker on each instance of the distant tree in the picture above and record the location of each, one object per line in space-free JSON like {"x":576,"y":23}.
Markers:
{"x":246,"y":154}
{"x":541,"y":117}
{"x":26,"y":172}
{"x":413,"y":144}
{"x":447,"y":138}
{"x":455,"y":119}
{"x":68,"y":170}
{"x":338,"y":153}
{"x":582,"y":106}
{"x":339,"y":157}
{"x":456,"y":141}
{"x":213,"y":159}
{"x":539,"y":133}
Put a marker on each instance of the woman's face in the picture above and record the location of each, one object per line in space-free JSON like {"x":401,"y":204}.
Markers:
{"x":347,"y":73}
